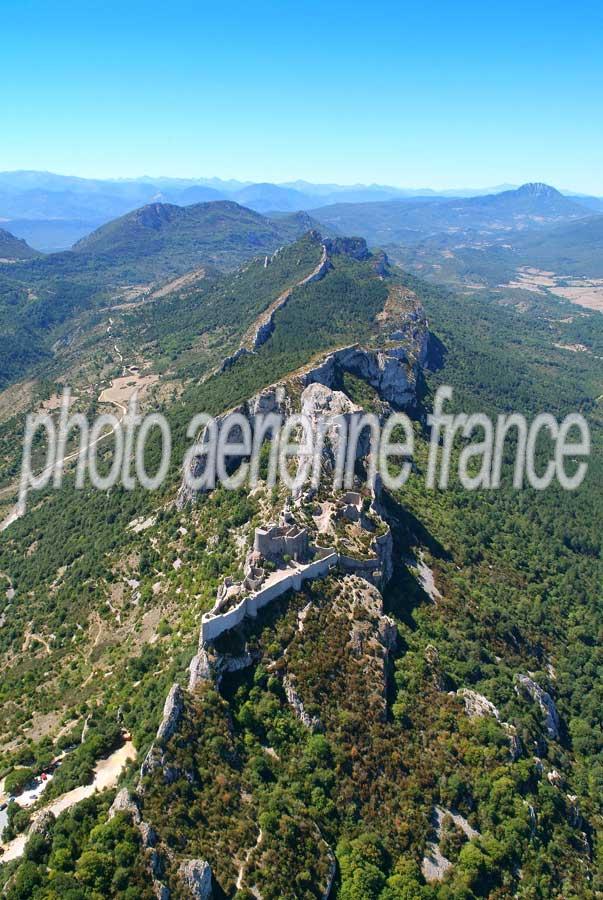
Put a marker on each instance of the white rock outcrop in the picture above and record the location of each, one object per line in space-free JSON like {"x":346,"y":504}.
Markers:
{"x":295,"y":701}
{"x":391,"y":372}
{"x":477,"y":705}
{"x":527,"y":685}
{"x":124,"y":802}
{"x":172,"y":713}
{"x":199,"y":669}
{"x":195,"y":874}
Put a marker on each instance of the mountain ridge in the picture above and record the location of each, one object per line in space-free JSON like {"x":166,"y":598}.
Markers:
{"x":13,"y":248}
{"x":52,"y":211}
{"x":530,"y":206}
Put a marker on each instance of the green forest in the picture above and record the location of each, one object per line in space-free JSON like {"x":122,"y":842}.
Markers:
{"x":518,"y":575}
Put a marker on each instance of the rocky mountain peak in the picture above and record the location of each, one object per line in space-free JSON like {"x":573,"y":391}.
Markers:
{"x":538,"y":189}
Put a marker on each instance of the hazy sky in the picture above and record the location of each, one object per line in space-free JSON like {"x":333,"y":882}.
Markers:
{"x":422,"y":94}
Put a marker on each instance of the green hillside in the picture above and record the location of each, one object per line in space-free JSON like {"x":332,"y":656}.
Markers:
{"x":161,"y":239}
{"x":190,"y":330}
{"x":575,"y":249}
{"x":391,"y":761}
{"x":12,"y":248}
{"x":570,"y":250}
{"x":41,"y":299}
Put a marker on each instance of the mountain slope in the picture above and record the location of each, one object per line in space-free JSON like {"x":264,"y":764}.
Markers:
{"x":330,"y":743}
{"x":53,"y":211}
{"x":409,"y":221}
{"x":161,"y":239}
{"x":266,"y":197}
{"x":192,"y":329}
{"x":594,"y":203}
{"x":575,"y":249}
{"x":41,"y":298}
{"x":534,"y":200}
{"x":12,"y":248}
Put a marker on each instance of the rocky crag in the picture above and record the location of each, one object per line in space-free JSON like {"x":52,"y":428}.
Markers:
{"x":320,"y":532}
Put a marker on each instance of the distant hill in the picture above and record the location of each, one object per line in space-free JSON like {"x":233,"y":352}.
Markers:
{"x":595,"y":203}
{"x":197,"y":193}
{"x":409,"y":221}
{"x":534,"y":202}
{"x":266,"y":197}
{"x":54,"y":211}
{"x":575,"y":249}
{"x":13,"y":248}
{"x":40,"y":295}
{"x":161,"y":240}
{"x":291,"y":225}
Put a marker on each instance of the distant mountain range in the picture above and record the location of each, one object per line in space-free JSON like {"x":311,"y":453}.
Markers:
{"x":52,"y":212}
{"x":403,"y":221}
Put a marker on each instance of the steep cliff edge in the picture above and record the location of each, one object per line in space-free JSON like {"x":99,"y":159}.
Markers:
{"x":320,"y":557}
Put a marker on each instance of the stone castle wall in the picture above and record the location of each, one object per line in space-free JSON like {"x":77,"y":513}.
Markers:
{"x":276,"y":541}
{"x":212,"y":626}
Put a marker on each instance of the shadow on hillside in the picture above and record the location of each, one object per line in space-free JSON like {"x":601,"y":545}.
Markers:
{"x":436,"y":353}
{"x":436,"y":357}
{"x":409,"y":532}
{"x":404,"y":592}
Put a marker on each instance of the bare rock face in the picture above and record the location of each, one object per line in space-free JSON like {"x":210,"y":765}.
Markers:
{"x":388,"y":633}
{"x":311,"y":722}
{"x":527,"y":685}
{"x":320,"y":403}
{"x":199,"y":669}
{"x":353,"y":247}
{"x":515,"y":748}
{"x":476,"y":705}
{"x":196,"y":876}
{"x":229,"y":663}
{"x":390,"y":372}
{"x":148,"y":835}
{"x":43,"y":825}
{"x":385,"y":554}
{"x":172,"y":713}
{"x":575,"y":816}
{"x":432,"y":658}
{"x":124,"y":802}
{"x":330,"y":876}
{"x":270,"y":400}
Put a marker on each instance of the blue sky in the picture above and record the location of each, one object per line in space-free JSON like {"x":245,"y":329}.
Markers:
{"x":422,"y":94}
